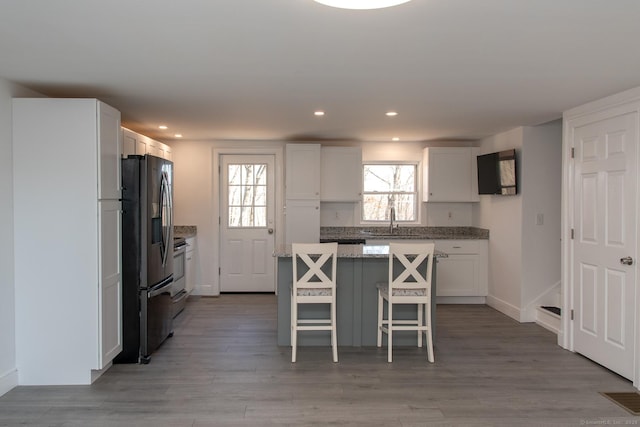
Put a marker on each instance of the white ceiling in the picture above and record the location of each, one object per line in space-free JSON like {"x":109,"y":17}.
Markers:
{"x":257,"y":69}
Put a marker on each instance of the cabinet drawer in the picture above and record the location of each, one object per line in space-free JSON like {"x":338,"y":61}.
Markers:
{"x":452,"y":247}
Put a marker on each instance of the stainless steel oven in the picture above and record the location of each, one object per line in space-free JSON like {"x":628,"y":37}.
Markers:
{"x":178,"y":291}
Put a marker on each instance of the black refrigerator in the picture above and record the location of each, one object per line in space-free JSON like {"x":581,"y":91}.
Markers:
{"x":147,"y":260}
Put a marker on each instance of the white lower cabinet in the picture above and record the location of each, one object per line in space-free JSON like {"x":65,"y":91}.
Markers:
{"x":464,"y":272}
{"x":190,"y":268}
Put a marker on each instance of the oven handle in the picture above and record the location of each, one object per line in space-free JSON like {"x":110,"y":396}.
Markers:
{"x":160,"y":289}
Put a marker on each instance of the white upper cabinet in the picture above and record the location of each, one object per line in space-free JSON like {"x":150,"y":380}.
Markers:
{"x":450,"y":174}
{"x":303,"y":171}
{"x":110,"y":148}
{"x":135,"y":143}
{"x":341,"y":174}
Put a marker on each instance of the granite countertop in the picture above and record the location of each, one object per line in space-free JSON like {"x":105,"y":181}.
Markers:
{"x":351,"y":251}
{"x":421,"y":233}
{"x":185,"y":231}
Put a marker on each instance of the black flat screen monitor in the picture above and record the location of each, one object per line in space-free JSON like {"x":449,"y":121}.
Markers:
{"x":497,"y":173}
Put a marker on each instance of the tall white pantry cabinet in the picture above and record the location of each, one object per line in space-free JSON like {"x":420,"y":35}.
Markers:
{"x":67,"y":239}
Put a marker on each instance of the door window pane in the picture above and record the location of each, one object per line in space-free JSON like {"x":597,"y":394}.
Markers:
{"x":247,"y":188}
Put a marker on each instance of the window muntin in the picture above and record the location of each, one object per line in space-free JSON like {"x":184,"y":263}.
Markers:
{"x":386,"y":185}
{"x":247,"y":189}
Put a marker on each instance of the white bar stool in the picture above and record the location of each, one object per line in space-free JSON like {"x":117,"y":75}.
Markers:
{"x":314,"y":282}
{"x":410,"y":267}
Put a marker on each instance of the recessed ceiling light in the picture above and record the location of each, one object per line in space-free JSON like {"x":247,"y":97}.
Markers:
{"x":361,"y":4}
{"x":318,"y":113}
{"x":391,"y":113}
{"x":163,"y":127}
{"x":178,"y":135}
{"x":395,"y":138}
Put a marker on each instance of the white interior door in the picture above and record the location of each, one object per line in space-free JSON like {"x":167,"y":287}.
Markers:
{"x":247,"y":211}
{"x":605,"y":235}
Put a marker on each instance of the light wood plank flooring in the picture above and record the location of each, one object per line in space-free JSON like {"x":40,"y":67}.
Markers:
{"x":222,"y":368}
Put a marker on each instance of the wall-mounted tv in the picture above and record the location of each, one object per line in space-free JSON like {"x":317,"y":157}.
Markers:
{"x":497,"y":173}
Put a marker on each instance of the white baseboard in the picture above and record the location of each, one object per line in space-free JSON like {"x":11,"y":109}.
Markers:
{"x":205,"y":291}
{"x":504,"y":307}
{"x":461,"y":300}
{"x":8,"y":381}
{"x":548,"y":320}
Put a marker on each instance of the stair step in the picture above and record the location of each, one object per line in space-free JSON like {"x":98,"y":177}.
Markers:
{"x":555,"y":310}
{"x":549,"y":318}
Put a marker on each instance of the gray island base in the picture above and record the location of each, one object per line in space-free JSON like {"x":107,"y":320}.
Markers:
{"x":360,"y":267}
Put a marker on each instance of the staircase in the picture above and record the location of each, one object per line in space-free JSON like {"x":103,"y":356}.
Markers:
{"x":548,"y":313}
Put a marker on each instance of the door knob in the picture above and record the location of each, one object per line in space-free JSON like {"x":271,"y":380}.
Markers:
{"x":270,"y":230}
{"x":626,"y":260}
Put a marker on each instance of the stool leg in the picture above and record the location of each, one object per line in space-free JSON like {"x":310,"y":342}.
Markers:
{"x":429,"y":333}
{"x":420,"y":324}
{"x":294,"y":330}
{"x":380,"y":308}
{"x":390,"y":329}
{"x":334,"y":337}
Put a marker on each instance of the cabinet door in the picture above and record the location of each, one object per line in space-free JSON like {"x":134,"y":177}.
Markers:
{"x":303,"y":171}
{"x":449,"y":174}
{"x":302,"y":221}
{"x":341,"y":174}
{"x":457,"y":275}
{"x":109,"y":152}
{"x":110,"y":293}
{"x":190,"y":273}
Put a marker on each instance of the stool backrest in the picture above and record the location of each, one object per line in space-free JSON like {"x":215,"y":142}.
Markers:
{"x":410,"y":265}
{"x":314,"y":265}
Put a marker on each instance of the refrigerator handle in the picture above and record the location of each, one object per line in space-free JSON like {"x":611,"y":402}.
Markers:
{"x":166,"y":202}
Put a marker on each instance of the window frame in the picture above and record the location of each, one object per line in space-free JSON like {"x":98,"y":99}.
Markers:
{"x":416,"y":192}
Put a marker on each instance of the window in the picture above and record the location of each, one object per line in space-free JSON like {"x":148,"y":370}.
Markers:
{"x":247,"y":195}
{"x":387,"y":185}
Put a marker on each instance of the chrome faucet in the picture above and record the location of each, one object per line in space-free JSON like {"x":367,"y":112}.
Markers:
{"x":392,"y":218}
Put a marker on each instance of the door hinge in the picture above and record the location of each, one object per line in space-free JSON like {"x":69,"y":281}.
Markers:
{"x":219,"y":169}
{"x":219,"y":271}
{"x":573,"y":152}
{"x":219,"y":221}
{"x":572,"y":233}
{"x":571,"y":314}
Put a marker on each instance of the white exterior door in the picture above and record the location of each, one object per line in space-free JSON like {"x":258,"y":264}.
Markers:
{"x":247,"y":210}
{"x":605,"y":240}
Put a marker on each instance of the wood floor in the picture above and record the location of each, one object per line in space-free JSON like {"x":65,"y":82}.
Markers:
{"x":222,"y":368}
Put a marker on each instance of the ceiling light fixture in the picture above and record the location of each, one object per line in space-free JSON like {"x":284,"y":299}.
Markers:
{"x":395,"y":138}
{"x":361,"y":4}
{"x":318,"y":113}
{"x":178,"y":135}
{"x":163,"y":127}
{"x":391,"y":113}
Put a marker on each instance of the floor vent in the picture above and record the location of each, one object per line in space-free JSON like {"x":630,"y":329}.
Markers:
{"x":629,"y":401}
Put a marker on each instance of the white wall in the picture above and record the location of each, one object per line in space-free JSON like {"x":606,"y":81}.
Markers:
{"x":524,"y":258}
{"x":8,"y":373}
{"x":502,"y":215}
{"x":541,"y":187}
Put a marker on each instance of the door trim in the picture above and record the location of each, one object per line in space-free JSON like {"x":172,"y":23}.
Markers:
{"x":624,"y":102}
{"x":278,"y":153}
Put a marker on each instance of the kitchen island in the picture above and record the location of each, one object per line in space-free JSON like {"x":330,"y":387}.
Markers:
{"x":359,"y":268}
